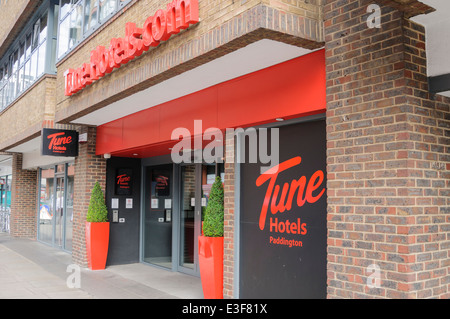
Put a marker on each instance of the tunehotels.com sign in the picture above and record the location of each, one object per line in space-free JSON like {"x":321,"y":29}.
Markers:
{"x":159,"y":27}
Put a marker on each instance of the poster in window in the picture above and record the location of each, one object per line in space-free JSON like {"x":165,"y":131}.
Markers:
{"x":124,"y":179}
{"x":161,"y":184}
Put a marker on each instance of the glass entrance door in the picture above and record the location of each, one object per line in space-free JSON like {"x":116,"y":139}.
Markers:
{"x":55,"y":209}
{"x":59,"y":212}
{"x":189,"y":219}
{"x":46,"y":207}
{"x":195,"y":186}
{"x":157,"y":228}
{"x":175,"y":198}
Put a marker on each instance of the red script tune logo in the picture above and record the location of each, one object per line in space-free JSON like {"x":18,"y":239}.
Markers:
{"x":302,"y":187}
{"x":57,"y":142}
{"x":123,"y":180}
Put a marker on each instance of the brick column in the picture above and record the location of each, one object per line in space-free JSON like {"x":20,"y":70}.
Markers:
{"x":387,"y":159}
{"x":23,"y":200}
{"x":229,"y":230}
{"x":89,"y":169}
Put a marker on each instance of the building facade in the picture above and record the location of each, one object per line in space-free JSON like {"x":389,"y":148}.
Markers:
{"x":331,"y":114}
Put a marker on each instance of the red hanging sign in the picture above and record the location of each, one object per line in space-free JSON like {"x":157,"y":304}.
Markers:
{"x":159,"y":27}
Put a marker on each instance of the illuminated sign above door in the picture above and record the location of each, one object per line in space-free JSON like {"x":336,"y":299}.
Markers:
{"x":159,"y":27}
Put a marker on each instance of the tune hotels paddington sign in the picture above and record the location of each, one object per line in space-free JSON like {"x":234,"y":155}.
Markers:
{"x":57,"y":142}
{"x":124,"y":181}
{"x":283,"y":230}
{"x":158,"y":27}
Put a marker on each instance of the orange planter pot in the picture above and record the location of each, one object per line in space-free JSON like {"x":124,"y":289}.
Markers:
{"x":211,"y":266}
{"x":97,"y":242}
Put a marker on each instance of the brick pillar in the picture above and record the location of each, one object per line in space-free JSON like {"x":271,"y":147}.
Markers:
{"x":387,"y":159}
{"x":228,"y":267}
{"x":23,"y":200}
{"x":89,"y":169}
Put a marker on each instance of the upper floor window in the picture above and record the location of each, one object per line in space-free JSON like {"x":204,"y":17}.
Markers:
{"x":29,"y":57}
{"x":79,"y":18}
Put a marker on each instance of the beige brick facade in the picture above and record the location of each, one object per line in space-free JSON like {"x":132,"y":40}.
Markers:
{"x":14,"y":14}
{"x":25,"y":117}
{"x":235,"y":25}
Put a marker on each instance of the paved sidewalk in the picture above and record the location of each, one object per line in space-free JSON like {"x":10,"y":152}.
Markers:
{"x":32,"y":270}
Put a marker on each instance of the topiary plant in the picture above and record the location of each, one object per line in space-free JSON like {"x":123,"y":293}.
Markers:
{"x":97,"y":211}
{"x":213,"y":220}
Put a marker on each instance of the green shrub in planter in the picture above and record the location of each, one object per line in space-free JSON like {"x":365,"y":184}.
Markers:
{"x":213,"y":219}
{"x":97,"y":211}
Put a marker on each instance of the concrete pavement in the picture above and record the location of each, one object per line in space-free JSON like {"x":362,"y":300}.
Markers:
{"x":33,"y":270}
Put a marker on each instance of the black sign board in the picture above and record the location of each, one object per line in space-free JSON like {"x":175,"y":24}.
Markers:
{"x":283,"y":233}
{"x":56,"y":142}
{"x":124,"y":181}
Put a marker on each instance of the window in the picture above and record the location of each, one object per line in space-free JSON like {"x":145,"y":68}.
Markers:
{"x":107,"y":7}
{"x":21,"y":68}
{"x":26,"y":60}
{"x":76,"y":19}
{"x":1,"y":86}
{"x":43,"y":28}
{"x":27,"y":78}
{"x":5,"y":192}
{"x":65,"y":6}
{"x":46,"y":205}
{"x":63,"y":36}
{"x":90,"y":14}
{"x":35,"y":36}
{"x":79,"y":18}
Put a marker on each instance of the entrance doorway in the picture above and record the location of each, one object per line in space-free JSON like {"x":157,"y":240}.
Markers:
{"x":55,"y":216}
{"x":175,"y":200}
{"x":157,"y":217}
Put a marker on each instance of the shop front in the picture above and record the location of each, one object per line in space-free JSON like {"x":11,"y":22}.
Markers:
{"x":159,"y":177}
{"x":157,"y":221}
{"x":56,"y":177}
{"x":329,"y":134}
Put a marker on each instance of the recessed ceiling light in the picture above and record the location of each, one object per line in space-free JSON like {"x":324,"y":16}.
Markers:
{"x":280,"y":119}
{"x":135,"y":154}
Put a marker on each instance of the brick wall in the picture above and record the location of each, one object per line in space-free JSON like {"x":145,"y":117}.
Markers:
{"x":229,"y":229}
{"x":23,"y":200}
{"x":89,"y":169}
{"x":387,"y":159}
